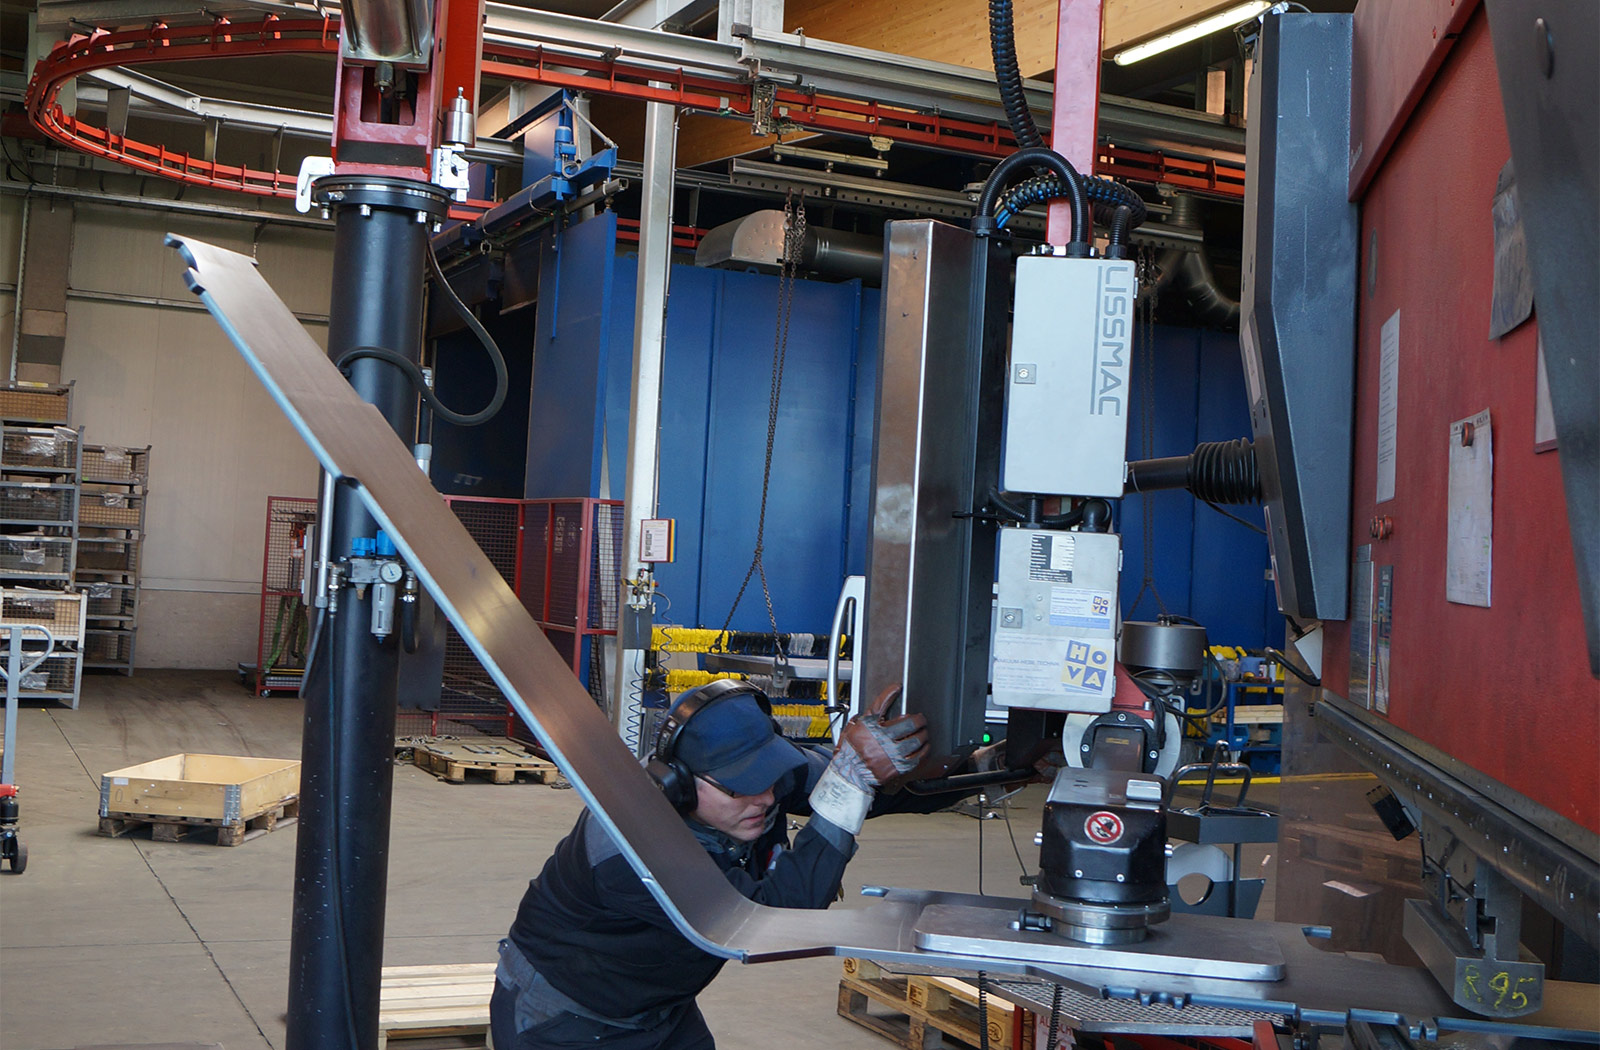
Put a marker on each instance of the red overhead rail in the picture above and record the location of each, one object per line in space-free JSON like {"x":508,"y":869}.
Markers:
{"x":615,"y":76}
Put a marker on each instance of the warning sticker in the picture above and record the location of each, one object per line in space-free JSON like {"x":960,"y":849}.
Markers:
{"x":1103,"y":827}
{"x":1087,"y":666}
{"x":1080,"y":607}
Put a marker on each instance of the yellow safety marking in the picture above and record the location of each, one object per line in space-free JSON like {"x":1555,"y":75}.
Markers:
{"x":1298,"y":778}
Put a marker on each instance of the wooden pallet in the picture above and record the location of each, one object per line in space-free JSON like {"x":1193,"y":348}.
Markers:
{"x":501,"y":762}
{"x":923,"y":1012}
{"x":176,"y":829}
{"x":442,"y":1005}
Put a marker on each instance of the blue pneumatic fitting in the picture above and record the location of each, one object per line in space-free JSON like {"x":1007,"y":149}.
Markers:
{"x":385,"y":546}
{"x":362,"y":546}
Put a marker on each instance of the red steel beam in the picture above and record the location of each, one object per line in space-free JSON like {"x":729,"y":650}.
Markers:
{"x":1075,"y":109}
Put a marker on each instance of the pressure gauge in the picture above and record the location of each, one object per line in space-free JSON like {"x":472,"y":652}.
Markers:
{"x":391,"y":572}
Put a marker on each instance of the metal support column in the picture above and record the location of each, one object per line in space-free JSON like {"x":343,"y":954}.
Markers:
{"x":347,"y":753}
{"x":644,"y":431}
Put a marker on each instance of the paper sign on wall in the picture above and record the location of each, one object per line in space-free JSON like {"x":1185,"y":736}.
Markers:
{"x":1470,"y":520}
{"x":1388,"y":404}
{"x":655,"y":540}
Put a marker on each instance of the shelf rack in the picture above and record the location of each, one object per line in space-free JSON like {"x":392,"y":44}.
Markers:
{"x":111,"y":531}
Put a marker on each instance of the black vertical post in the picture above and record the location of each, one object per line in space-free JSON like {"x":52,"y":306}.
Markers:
{"x":347,"y":753}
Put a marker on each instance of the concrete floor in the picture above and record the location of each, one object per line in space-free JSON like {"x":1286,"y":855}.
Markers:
{"x":128,"y":940}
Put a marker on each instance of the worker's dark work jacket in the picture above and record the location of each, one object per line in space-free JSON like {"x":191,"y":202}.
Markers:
{"x":591,"y":929}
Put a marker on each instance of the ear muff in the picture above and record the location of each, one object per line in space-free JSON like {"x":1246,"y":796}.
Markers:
{"x":675,"y":779}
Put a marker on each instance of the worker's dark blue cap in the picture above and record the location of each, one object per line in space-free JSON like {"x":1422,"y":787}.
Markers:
{"x":733,"y":741}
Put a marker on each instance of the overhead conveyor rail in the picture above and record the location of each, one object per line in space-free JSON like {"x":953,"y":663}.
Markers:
{"x":772,"y":79}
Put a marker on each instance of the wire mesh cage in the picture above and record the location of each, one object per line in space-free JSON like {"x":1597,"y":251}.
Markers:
{"x":284,"y":627}
{"x":470,"y":702}
{"x":59,"y":612}
{"x":39,"y":448}
{"x":116,"y":465}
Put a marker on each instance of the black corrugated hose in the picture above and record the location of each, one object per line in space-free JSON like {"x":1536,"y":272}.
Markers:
{"x":1008,"y":77}
{"x":1104,"y":195}
{"x":1038,"y":156}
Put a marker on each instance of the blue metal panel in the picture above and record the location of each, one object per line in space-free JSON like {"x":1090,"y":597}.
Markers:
{"x":571,"y":348}
{"x":692,"y":305}
{"x":868,"y":329}
{"x":1204,"y":565}
{"x":805,"y":520}
{"x":1231,"y":594}
{"x":717,"y":372}
{"x":1170,"y":528}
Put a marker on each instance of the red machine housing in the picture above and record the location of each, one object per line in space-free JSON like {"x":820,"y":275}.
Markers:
{"x":1504,"y":689}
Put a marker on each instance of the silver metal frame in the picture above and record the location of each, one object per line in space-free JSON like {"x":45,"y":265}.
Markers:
{"x":1549,"y":858}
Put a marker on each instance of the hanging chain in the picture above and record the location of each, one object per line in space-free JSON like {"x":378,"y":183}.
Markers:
{"x":1145,"y":348}
{"x":794,"y":235}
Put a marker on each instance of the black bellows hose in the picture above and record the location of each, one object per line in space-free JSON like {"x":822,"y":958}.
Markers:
{"x":1216,"y":471}
{"x":1008,"y":77}
{"x":1225,"y":472}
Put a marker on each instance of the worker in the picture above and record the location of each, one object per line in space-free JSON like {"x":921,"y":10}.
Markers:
{"x":592,"y":960}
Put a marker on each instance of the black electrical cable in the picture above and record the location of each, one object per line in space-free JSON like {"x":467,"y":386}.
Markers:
{"x":980,"y":845}
{"x":1288,"y":665}
{"x":1055,"y":1019}
{"x":1037,"y":157}
{"x":1008,"y":76}
{"x":1005,"y":810}
{"x":502,"y":380}
{"x":1234,"y":517}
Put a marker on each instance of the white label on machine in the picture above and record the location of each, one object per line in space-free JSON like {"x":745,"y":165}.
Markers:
{"x":1028,"y":663}
{"x":1055,"y":634}
{"x":1080,"y":607}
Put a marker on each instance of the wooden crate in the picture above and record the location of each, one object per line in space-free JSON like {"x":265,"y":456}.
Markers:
{"x":221,"y":789}
{"x":501,"y":761}
{"x":921,"y":1009}
{"x":176,"y":829}
{"x":430,"y":1002}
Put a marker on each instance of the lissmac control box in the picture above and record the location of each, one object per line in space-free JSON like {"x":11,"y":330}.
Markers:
{"x":1066,"y":420}
{"x":1054,"y":641}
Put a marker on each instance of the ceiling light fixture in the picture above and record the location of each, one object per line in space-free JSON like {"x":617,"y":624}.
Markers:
{"x":1193,"y":31}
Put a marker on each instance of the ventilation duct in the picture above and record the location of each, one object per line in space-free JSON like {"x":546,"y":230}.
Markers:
{"x":757,"y":240}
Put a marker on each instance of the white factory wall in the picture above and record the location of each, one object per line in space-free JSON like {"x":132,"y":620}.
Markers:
{"x":162,"y":374}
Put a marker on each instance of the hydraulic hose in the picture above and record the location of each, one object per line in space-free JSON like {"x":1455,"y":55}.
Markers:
{"x":1037,"y":156}
{"x":419,"y":382}
{"x":1008,"y":77}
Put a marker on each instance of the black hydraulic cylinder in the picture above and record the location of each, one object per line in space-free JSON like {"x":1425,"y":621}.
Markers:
{"x":347,"y":751}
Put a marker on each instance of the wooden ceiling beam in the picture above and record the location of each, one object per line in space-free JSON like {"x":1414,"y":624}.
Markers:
{"x":1130,"y":22}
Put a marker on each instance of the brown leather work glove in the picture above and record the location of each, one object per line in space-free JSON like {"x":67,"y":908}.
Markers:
{"x":874,"y":750}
